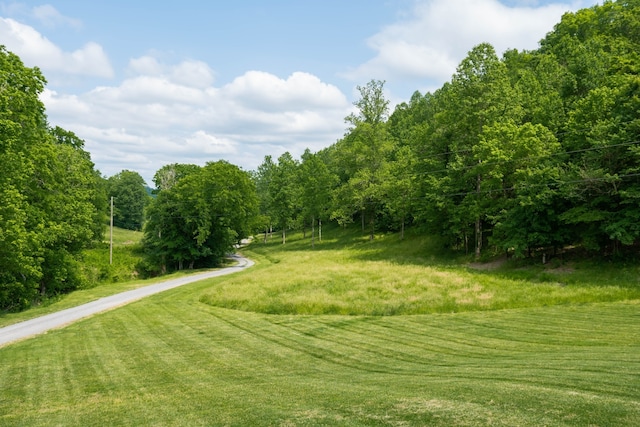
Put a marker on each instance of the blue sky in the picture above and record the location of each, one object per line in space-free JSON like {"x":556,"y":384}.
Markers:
{"x":151,"y":83}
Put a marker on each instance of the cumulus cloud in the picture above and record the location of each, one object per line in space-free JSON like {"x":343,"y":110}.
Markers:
{"x":36,"y":50}
{"x":201,"y":142}
{"x":145,"y":65}
{"x":195,"y":74}
{"x":191,"y":73}
{"x":431,"y":42}
{"x":257,"y":88}
{"x":156,"y":117}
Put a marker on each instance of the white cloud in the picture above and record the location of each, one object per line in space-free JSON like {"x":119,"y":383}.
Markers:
{"x":201,"y":141}
{"x":191,"y":73}
{"x":257,"y":88}
{"x":151,"y":120}
{"x":430,"y":43}
{"x":145,"y":65}
{"x":36,"y":50}
{"x":194,"y":74}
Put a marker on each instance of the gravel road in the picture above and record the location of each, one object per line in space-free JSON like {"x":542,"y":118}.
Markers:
{"x":29,"y":328}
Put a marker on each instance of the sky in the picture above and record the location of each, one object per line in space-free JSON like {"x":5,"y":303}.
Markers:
{"x":146,"y":84}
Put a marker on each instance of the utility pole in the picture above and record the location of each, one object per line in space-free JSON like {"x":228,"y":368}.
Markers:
{"x":111,"y":235}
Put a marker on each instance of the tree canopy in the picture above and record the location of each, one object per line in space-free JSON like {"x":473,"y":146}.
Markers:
{"x":52,"y":201}
{"x":196,"y":221}
{"x":531,"y":152}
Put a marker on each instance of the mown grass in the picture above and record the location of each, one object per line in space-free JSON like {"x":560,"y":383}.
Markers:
{"x":559,"y":358}
{"x":349,"y":275}
{"x":172,"y":361}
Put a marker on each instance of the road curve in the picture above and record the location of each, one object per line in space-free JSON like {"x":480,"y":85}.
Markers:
{"x":29,"y":328}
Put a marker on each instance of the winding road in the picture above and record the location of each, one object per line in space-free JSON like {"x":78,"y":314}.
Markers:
{"x":39,"y":325}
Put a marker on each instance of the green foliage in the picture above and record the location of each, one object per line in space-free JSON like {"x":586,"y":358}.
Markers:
{"x":128,"y":190}
{"x":535,"y":151}
{"x":316,"y":186}
{"x":363,"y":159}
{"x":199,"y":219}
{"x":51,"y":197}
{"x":169,"y":175}
{"x":126,"y":256}
{"x":284,"y":192}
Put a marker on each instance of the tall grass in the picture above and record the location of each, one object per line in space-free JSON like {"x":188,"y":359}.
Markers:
{"x":349,"y":275}
{"x":101,"y":266}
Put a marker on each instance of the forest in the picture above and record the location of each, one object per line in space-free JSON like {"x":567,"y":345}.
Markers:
{"x":532,"y":152}
{"x":527,"y":155}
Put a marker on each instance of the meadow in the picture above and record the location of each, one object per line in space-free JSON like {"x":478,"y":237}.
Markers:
{"x":354,"y":333}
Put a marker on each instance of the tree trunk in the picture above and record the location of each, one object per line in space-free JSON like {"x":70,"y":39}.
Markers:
{"x":373,"y":226}
{"x":284,"y":235}
{"x":362,"y":219}
{"x":478,"y":237}
{"x":266,"y":232}
{"x":320,"y":230}
{"x":313,"y":232}
{"x":478,"y":221}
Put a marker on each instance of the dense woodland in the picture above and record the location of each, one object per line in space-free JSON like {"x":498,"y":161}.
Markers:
{"x":525,"y":154}
{"x":534,"y":151}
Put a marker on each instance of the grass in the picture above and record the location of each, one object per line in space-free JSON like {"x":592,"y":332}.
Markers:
{"x":348,"y":275}
{"x":103,"y":279}
{"x":125,"y":256}
{"x":172,"y":360}
{"x":123,"y":237}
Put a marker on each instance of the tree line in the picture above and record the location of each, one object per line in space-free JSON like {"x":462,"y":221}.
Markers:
{"x":534,"y":151}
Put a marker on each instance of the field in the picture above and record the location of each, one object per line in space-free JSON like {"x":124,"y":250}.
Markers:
{"x":389,"y":333}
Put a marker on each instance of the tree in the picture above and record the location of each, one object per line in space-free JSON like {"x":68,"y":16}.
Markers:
{"x":602,"y":185}
{"x":285,"y":190}
{"x":400,"y":187}
{"x":169,"y":175}
{"x":367,"y":145}
{"x":199,"y":219}
{"x":130,"y":199}
{"x":50,"y":194}
{"x":263,"y":179}
{"x":520,"y":169}
{"x":480,"y":95}
{"x":316,"y":185}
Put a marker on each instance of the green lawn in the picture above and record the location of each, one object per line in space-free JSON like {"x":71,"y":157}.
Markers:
{"x":183,"y":358}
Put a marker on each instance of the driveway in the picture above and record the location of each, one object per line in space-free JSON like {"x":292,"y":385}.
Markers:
{"x":39,"y":325}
